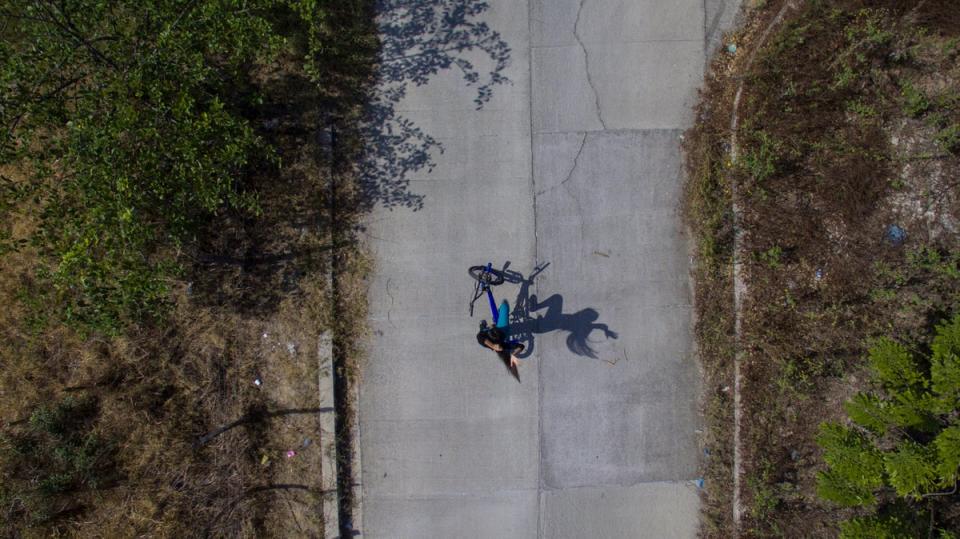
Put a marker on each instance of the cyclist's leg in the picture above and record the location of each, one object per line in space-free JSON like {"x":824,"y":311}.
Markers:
{"x":503,"y":317}
{"x":503,"y":323}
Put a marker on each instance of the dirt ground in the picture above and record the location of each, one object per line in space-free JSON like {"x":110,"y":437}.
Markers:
{"x":846,"y":130}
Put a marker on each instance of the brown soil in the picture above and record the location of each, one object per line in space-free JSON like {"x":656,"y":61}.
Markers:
{"x":832,"y":152}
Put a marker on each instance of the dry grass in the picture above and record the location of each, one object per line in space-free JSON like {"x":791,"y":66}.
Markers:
{"x":159,"y":390}
{"x":845,"y":125}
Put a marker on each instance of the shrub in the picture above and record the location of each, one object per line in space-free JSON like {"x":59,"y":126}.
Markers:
{"x":949,"y":138}
{"x":915,"y":101}
{"x":904,"y":440}
{"x":856,"y":468}
{"x":128,"y":121}
{"x":889,"y":526}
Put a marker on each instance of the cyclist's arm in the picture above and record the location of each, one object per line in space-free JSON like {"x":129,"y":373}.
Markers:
{"x":492,"y":345}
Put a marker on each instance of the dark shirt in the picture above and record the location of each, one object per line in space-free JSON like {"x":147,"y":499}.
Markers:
{"x":498,"y":336}
{"x":495,"y":335}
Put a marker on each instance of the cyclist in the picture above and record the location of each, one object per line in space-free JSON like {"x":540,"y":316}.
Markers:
{"x":495,"y":339}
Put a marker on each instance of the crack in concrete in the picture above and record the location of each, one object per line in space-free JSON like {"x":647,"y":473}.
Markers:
{"x":566,"y":188}
{"x":392,"y":302}
{"x":576,"y":200}
{"x":586,"y":62}
{"x":573,"y":168}
{"x":576,"y":159}
{"x":579,"y":207}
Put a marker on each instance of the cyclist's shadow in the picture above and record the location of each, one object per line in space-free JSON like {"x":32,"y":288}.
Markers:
{"x":523,"y":326}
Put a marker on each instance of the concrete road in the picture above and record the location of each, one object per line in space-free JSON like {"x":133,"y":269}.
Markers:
{"x":575,"y":165}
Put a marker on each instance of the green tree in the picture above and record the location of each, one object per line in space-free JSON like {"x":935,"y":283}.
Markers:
{"x":124,"y":129}
{"x":900,"y":454}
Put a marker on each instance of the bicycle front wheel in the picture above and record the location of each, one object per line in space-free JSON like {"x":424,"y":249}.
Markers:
{"x":486,"y":276}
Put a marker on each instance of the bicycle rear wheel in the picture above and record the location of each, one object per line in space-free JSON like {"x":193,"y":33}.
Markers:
{"x":486,"y":276}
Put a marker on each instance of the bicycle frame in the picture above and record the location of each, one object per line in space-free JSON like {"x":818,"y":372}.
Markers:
{"x":479,"y":290}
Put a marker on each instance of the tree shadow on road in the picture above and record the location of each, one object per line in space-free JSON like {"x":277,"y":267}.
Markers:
{"x":419,"y":39}
{"x":580,"y":325}
{"x":346,"y":125}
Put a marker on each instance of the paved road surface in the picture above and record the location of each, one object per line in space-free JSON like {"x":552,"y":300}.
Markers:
{"x":575,"y":163}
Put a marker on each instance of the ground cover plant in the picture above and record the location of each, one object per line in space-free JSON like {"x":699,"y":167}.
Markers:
{"x":847,"y":184}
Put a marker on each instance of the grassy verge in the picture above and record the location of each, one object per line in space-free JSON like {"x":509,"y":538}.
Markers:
{"x":847,"y":183}
{"x":206,"y":422}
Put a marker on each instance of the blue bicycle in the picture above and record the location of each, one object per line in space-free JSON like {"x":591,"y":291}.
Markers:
{"x":495,"y":339}
{"x":486,"y":278}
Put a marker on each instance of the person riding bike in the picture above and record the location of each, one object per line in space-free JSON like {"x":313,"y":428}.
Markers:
{"x":495,"y":339}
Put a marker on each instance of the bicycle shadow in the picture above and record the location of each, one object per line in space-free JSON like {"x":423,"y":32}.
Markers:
{"x":524,"y":326}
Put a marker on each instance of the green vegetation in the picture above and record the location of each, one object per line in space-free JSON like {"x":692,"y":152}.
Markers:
{"x":915,"y":102}
{"x":127,"y":122}
{"x":130,"y":127}
{"x":845,"y":129}
{"x":49,"y":460}
{"x":902,"y":450}
{"x":165,"y":238}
